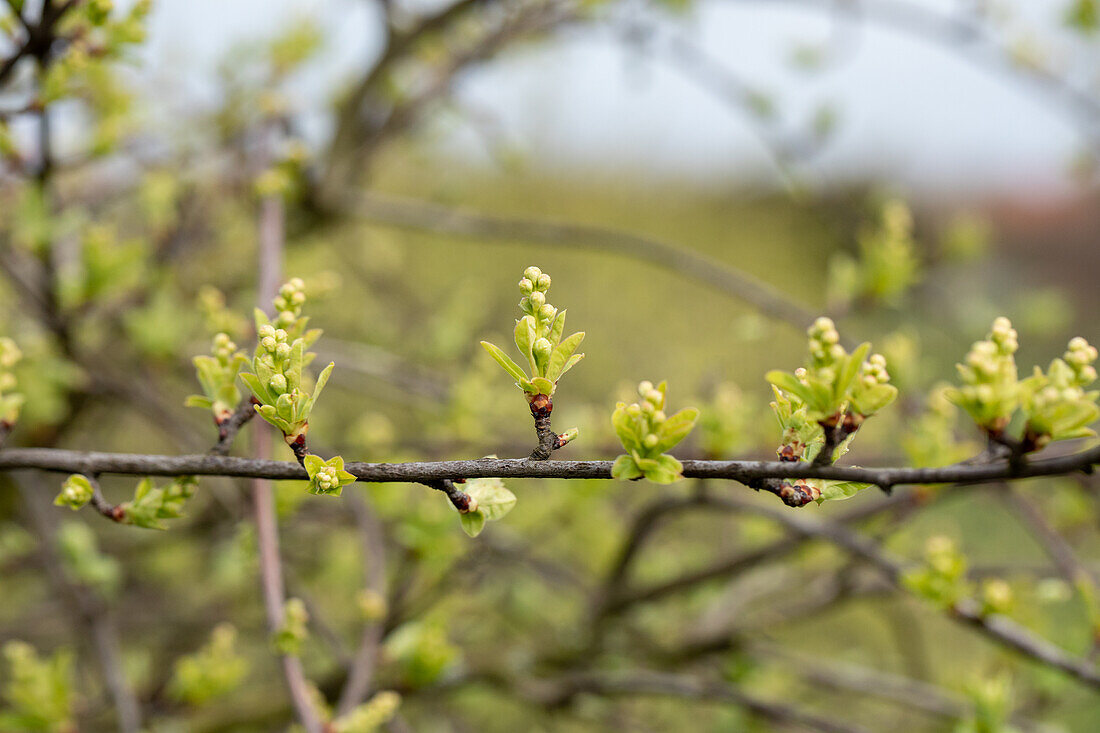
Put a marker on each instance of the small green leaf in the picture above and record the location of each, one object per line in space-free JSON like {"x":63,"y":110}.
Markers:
{"x":625,"y":469}
{"x":196,"y":400}
{"x":562,"y":354}
{"x":543,"y":385}
{"x":508,"y":365}
{"x":493,"y":499}
{"x":472,"y":522}
{"x":322,"y":380}
{"x":676,"y":428}
{"x":840,"y":490}
{"x":789,"y":383}
{"x":850,"y":371}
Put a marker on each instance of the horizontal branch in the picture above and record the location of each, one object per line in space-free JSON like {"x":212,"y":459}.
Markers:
{"x":747,"y":472}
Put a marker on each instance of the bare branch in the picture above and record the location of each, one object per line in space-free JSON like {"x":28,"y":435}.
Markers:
{"x":405,"y":213}
{"x":747,"y":472}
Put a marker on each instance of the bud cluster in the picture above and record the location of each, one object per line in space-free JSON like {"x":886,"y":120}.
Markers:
{"x":326,"y":477}
{"x":371,"y":715}
{"x":1056,"y":403}
{"x":214,"y":670}
{"x":942,"y":579}
{"x":10,"y":402}
{"x":288,"y":303}
{"x":280,"y":356}
{"x":218,"y":376}
{"x":75,"y":492}
{"x":646,"y":432}
{"x":538,"y":336}
{"x":293,"y":633}
{"x":990,"y":391}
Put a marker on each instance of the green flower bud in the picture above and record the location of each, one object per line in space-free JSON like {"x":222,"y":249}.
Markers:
{"x":268,"y":343}
{"x":650,"y":440}
{"x":278,"y":383}
{"x":75,"y":492}
{"x":644,"y":387}
{"x":266,"y":331}
{"x":547,"y":312}
{"x":634,"y":410}
{"x":541,"y":350}
{"x":543,"y":283}
{"x":659,"y":417}
{"x":282,"y":351}
{"x":654,"y":396}
{"x":537,"y":299}
{"x":526,"y":286}
{"x":532,"y":273}
{"x":280,"y":335}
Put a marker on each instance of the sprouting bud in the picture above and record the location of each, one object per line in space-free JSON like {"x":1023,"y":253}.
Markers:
{"x":532,"y":273}
{"x":526,"y":286}
{"x":75,"y":492}
{"x":525,"y":304}
{"x":543,"y":283}
{"x":821,"y":325}
{"x":541,"y":349}
{"x":278,"y":383}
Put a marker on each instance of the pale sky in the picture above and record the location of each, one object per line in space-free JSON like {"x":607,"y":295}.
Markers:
{"x":908,"y":110}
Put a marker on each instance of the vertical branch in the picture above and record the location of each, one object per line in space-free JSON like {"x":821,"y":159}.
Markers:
{"x":270,"y":254}
{"x":374,"y":571}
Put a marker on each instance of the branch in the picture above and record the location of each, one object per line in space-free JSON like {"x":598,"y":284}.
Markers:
{"x":406,"y":213}
{"x":645,"y":682}
{"x":999,"y":628}
{"x":70,"y":461}
{"x":270,"y":253}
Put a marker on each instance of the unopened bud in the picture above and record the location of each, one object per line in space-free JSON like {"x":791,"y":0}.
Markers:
{"x":644,"y":387}
{"x":282,"y":351}
{"x":537,"y":299}
{"x":532,"y":273}
{"x":269,"y":343}
{"x":266,"y":331}
{"x":526,"y":286}
{"x":650,"y":440}
{"x":278,"y":383}
{"x":543,"y":283}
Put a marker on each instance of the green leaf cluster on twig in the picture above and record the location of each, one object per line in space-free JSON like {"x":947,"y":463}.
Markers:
{"x":1054,"y":403}
{"x":647,"y":432}
{"x":538,"y":336}
{"x":822,"y":405}
{"x":277,"y":364}
{"x":218,"y":376}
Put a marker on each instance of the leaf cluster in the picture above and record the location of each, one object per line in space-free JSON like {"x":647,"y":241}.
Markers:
{"x":647,"y":432}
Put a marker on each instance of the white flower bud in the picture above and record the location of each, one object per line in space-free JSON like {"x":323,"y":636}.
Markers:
{"x":296,"y":283}
{"x":537,"y":299}
{"x":648,"y":407}
{"x":654,"y":396}
{"x":547,"y":312}
{"x":644,"y":387}
{"x":266,"y":330}
{"x":269,"y":343}
{"x":634,"y":410}
{"x":525,"y":286}
{"x":280,"y":335}
{"x":282,"y":351}
{"x":659,"y":416}
{"x":543,"y":283}
{"x":532,"y":273}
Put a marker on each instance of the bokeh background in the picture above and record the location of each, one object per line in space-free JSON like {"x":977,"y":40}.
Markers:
{"x":912,"y":169}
